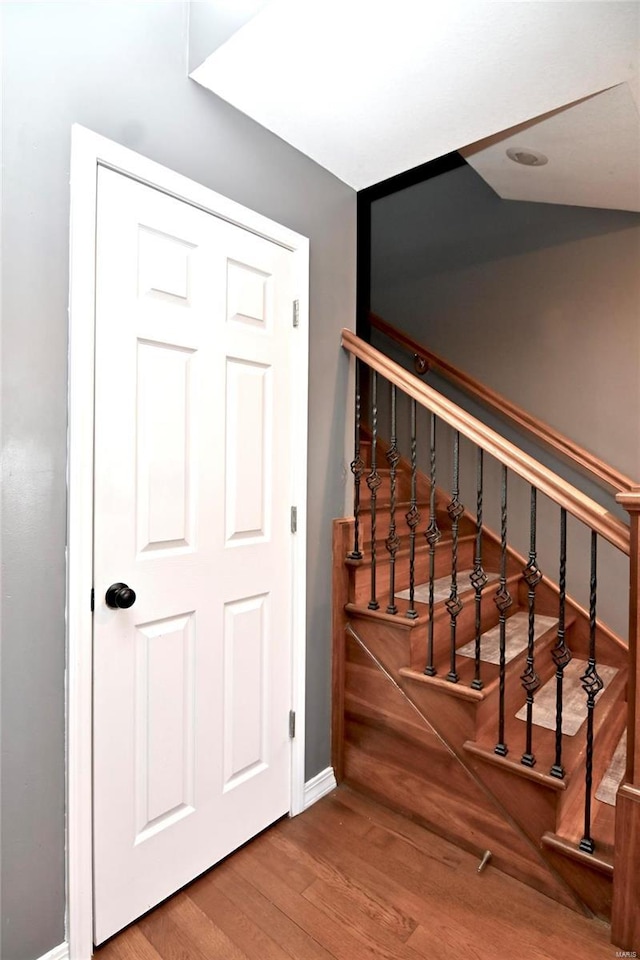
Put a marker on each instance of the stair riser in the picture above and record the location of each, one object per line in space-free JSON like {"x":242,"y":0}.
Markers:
{"x":382,"y":521}
{"x":594,"y":888}
{"x":453,"y":719}
{"x":532,"y":806}
{"x":383,"y":493}
{"x":391,"y":642}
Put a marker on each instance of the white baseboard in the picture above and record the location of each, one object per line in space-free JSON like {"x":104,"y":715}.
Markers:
{"x":319,"y":786}
{"x":58,"y":953}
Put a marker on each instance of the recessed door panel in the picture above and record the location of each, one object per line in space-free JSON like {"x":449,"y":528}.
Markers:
{"x":164,"y":407}
{"x":165,"y":712}
{"x":248,"y":450}
{"x":164,"y":266}
{"x":247,"y":643}
{"x":249,"y":295}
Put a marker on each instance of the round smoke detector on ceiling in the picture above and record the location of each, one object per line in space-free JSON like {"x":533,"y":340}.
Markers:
{"x":528,"y":158}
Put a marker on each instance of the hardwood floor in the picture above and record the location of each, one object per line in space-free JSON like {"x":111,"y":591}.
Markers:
{"x":351,"y":880}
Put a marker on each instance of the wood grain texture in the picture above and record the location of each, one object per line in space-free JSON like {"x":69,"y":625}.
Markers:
{"x":341,"y":541}
{"x":369,"y":885}
{"x":591,"y":876}
{"x":393,"y":754}
{"x":581,"y":506}
{"x":625,"y":916}
{"x":587,"y":462}
{"x":631,"y":503}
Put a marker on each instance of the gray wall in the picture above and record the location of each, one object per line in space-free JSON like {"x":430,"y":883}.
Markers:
{"x":120,"y":69}
{"x":542,"y":303}
{"x":539,"y":301}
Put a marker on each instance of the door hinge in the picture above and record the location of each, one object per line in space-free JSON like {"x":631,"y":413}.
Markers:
{"x":294,"y":519}
{"x":296,"y":313}
{"x":292,"y":724}
{"x":93,"y":599}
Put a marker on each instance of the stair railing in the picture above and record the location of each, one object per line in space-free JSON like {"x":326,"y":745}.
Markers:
{"x":572,"y":502}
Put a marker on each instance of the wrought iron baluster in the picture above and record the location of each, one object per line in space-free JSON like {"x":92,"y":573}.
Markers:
{"x":393,"y":541}
{"x":433,"y":535}
{"x":478,"y":576}
{"x":561,"y":653}
{"x":502,"y":601}
{"x":413,"y":517}
{"x":530,"y":679}
{"x":592,"y":685}
{"x":373,"y":482}
{"x":455,"y":509}
{"x":357,"y":469}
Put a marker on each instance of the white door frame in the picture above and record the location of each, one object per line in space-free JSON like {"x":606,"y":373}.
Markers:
{"x":88,"y":152}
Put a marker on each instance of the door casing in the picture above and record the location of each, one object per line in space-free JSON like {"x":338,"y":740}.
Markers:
{"x":88,"y":151}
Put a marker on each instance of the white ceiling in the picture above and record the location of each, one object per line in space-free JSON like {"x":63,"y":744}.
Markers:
{"x":593,"y":149}
{"x":369,"y":89}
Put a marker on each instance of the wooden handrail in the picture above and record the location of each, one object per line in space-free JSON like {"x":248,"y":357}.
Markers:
{"x":545,"y":480}
{"x":586,"y":462}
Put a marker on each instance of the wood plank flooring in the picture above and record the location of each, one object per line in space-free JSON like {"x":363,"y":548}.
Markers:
{"x":351,"y":880}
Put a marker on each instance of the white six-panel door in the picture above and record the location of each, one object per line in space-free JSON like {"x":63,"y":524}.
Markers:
{"x":193,"y":467}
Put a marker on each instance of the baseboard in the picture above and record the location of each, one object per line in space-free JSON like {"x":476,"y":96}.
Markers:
{"x":58,"y":953}
{"x":319,"y":786}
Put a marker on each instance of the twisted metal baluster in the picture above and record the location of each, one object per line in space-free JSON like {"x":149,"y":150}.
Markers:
{"x":433,"y":535}
{"x":373,"y":482}
{"x":530,"y":679}
{"x":561,"y":653}
{"x":478,"y":577}
{"x":455,"y":509}
{"x":393,"y":541}
{"x":413,"y":517}
{"x":592,"y":685}
{"x":502,"y":601}
{"x":357,"y":469}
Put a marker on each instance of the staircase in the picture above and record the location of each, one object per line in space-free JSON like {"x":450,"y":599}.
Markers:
{"x":470,"y":692}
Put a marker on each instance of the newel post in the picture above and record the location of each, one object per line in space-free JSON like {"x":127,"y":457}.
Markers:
{"x":625,"y":918}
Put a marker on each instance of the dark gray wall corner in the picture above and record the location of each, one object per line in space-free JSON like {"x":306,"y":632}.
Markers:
{"x":120,"y":69}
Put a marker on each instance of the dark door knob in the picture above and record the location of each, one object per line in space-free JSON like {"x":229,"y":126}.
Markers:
{"x":120,"y":596}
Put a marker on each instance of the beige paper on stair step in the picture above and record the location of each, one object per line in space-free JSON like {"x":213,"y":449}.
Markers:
{"x":574,"y":699}
{"x":441,"y":587}
{"x":517,"y":638}
{"x":615,"y":772}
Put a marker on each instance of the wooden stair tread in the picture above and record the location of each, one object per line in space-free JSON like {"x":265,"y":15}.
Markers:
{"x":362,"y":609}
{"x":465,"y":665}
{"x":517,"y":636}
{"x":599,"y":860}
{"x":575,"y":706}
{"x":462,"y":691}
{"x":442,"y":586}
{"x":612,"y":711}
{"x":511,"y":763}
{"x":399,"y":619}
{"x":403,"y":550}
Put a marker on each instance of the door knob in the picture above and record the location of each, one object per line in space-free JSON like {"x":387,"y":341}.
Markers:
{"x":120,"y":596}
